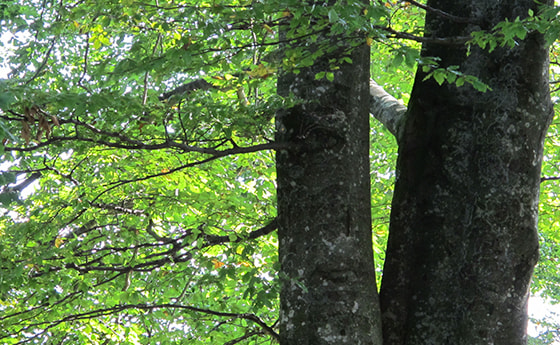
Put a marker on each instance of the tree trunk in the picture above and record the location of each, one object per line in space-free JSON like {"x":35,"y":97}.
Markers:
{"x":328,"y":291}
{"x":463,"y":240}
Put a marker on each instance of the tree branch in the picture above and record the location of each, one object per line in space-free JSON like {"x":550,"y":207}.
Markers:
{"x":199,"y":84}
{"x":177,"y":253}
{"x":453,"y":40}
{"x":24,"y":184}
{"x":142,"y":306}
{"x":387,"y":109}
{"x":550,"y":178}
{"x":43,"y":63}
{"x":215,"y":154}
{"x":384,"y":107}
{"x":265,"y":230}
{"x":124,"y":142}
{"x":243,"y":337}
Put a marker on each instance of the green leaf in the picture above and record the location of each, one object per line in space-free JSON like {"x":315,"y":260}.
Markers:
{"x":7,"y":198}
{"x":439,"y":76}
{"x":6,"y":99}
{"x":397,"y":60}
{"x":333,"y":16}
{"x":7,"y":178}
{"x":451,"y":77}
{"x":480,"y":86}
{"x":320,"y":75}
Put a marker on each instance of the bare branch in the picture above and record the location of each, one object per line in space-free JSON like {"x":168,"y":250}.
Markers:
{"x":453,"y":40}
{"x":86,"y":63}
{"x":178,"y":252}
{"x":243,"y":337}
{"x":550,"y":178}
{"x":215,"y":154}
{"x":199,"y":84}
{"x":265,"y":230}
{"x":43,"y":63}
{"x":147,"y":307}
{"x":124,"y":142}
{"x":118,"y":208}
{"x":387,"y":109}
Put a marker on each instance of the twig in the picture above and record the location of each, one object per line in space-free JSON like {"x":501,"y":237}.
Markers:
{"x":454,"y":40}
{"x":142,"y":306}
{"x":86,"y":58}
{"x":243,"y":337}
{"x":43,"y":63}
{"x":265,"y":230}
{"x":550,"y":178}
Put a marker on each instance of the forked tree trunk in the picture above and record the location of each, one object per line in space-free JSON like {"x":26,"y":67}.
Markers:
{"x":463,"y":239}
{"x":328,"y":291}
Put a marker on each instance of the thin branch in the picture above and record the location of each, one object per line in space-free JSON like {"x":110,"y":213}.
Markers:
{"x":243,"y":337}
{"x":191,"y":6}
{"x":141,"y":267}
{"x":146,"y":307}
{"x":43,"y":63}
{"x":550,"y":178}
{"x":125,"y":142}
{"x":171,"y":255}
{"x":199,"y":84}
{"x":215,"y":154}
{"x":454,"y":40}
{"x":147,"y":74}
{"x":265,"y":230}
{"x":85,"y":70}
{"x":117,"y":208}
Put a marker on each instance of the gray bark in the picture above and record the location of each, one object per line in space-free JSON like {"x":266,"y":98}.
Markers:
{"x":463,"y":240}
{"x":387,"y":109}
{"x":328,"y":293}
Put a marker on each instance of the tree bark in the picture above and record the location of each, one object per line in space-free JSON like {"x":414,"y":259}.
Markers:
{"x":328,"y":293}
{"x":387,"y":109}
{"x":463,"y":240}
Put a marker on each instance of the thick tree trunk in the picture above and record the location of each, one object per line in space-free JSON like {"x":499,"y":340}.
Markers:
{"x":463,"y":239}
{"x":328,"y":291}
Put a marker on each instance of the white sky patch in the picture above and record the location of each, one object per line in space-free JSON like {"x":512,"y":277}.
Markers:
{"x":542,"y":309}
{"x":6,"y":50}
